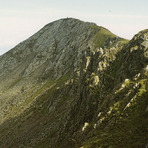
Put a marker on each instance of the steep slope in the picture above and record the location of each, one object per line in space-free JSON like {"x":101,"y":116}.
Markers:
{"x":51,"y":53}
{"x":123,"y":116}
{"x":74,"y":84}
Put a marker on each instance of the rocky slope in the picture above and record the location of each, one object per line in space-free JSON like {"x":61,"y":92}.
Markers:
{"x":75,"y":84}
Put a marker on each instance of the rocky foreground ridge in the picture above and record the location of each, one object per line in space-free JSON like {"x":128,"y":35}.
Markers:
{"x":75,"y":84}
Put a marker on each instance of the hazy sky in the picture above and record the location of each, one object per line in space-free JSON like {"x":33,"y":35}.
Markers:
{"x":19,"y":19}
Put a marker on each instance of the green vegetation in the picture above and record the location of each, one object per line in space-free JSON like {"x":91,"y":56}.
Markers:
{"x":124,"y":41}
{"x":101,"y":36}
{"x":129,"y":125}
{"x":40,"y":95}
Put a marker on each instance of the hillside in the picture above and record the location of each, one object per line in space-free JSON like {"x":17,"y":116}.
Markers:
{"x":75,"y":84}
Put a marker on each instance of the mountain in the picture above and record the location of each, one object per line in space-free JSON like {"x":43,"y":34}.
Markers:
{"x":75,"y":84}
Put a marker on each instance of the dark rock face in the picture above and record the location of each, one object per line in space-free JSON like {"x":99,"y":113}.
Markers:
{"x":74,"y":84}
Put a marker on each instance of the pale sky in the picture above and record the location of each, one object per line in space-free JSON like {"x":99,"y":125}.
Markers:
{"x":19,"y":19}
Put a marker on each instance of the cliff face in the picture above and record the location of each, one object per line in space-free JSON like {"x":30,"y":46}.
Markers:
{"x":75,"y":84}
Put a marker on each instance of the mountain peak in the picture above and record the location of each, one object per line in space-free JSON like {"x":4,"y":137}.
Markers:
{"x":57,"y":41}
{"x":74,"y":84}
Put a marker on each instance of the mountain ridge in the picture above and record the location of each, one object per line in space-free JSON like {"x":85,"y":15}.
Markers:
{"x":68,"y":86}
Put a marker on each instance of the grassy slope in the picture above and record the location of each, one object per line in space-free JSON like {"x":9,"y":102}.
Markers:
{"x":102,"y":34}
{"x":127,"y":118}
{"x":35,"y":120}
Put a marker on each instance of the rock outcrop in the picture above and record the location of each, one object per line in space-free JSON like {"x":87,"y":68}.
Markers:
{"x":75,"y":84}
